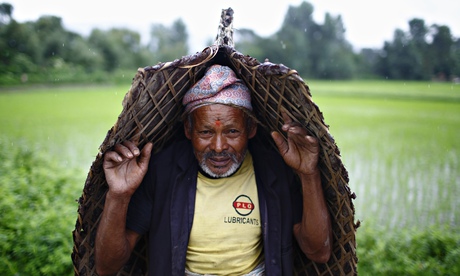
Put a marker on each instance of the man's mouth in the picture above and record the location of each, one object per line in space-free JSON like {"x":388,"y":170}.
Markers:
{"x":220,"y":161}
{"x":219,"y":165}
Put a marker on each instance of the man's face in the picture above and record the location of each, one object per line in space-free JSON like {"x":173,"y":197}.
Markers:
{"x":219,"y":137}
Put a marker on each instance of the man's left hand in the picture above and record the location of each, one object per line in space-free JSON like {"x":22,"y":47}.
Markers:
{"x":300,"y":151}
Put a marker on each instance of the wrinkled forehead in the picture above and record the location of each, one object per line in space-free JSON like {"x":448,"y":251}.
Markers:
{"x":218,"y":114}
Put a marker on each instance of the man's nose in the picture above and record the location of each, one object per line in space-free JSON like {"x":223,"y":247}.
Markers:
{"x":219,"y":143}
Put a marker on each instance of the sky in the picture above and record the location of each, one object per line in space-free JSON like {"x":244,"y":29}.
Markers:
{"x":368,"y":23}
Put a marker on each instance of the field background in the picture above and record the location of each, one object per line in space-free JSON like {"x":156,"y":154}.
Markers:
{"x":399,"y":142}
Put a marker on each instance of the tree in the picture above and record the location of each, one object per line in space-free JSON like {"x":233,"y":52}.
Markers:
{"x":20,"y":48}
{"x":398,"y":60}
{"x":423,"y":59}
{"x":456,"y":57}
{"x":248,"y":42}
{"x":294,"y":41}
{"x":169,"y":43}
{"x":315,"y":50}
{"x":6,"y":12}
{"x":52,"y":36}
{"x":442,"y":47}
{"x":119,"y":48}
{"x":80,"y":53}
{"x":44,"y":47}
{"x":410,"y":56}
{"x":335,"y":54}
{"x":366,"y":62}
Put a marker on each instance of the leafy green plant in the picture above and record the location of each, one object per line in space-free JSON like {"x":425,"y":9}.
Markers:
{"x":409,"y":252}
{"x":37,"y":212}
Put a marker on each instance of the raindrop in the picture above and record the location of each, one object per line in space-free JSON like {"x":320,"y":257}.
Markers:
{"x":283,"y":45}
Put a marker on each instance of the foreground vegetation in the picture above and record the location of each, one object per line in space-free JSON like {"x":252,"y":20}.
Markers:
{"x":37,"y":213}
{"x":412,"y":252}
{"x":399,"y":142}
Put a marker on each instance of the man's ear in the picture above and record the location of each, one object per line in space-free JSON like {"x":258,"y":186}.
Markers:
{"x":253,"y":130}
{"x":188,"y":128}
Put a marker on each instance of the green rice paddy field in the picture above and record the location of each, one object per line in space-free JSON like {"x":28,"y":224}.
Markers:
{"x":401,"y":145}
{"x":400,"y":141}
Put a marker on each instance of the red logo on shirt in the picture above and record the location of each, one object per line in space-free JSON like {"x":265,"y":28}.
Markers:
{"x":243,"y":205}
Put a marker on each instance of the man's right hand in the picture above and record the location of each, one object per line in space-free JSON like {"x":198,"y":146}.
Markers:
{"x":125,"y":167}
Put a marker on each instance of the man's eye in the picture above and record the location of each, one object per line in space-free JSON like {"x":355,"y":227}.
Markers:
{"x":233,"y":131}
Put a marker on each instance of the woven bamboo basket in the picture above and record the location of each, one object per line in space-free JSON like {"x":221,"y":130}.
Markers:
{"x":152,"y":111}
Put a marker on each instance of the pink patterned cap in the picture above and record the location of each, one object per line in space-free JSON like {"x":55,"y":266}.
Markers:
{"x":218,"y":86}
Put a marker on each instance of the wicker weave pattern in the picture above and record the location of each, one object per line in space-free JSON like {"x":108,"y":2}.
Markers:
{"x":152,"y":112}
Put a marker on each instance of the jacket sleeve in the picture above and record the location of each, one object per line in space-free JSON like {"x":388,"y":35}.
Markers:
{"x":140,"y":206}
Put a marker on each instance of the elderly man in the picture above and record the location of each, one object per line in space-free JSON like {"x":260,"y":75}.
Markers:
{"x":216,"y":203}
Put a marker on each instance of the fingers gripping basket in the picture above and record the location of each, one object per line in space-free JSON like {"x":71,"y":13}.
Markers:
{"x":152,"y":111}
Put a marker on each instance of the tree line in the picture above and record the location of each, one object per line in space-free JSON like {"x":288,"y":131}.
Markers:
{"x":44,"y":51}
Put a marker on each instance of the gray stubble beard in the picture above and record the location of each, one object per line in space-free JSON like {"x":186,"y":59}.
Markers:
{"x":234,"y":167}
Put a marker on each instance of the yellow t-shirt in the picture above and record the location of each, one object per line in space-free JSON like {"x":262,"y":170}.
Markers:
{"x":226,"y":236}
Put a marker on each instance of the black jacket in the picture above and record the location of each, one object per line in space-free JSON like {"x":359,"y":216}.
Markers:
{"x":163,"y":207}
